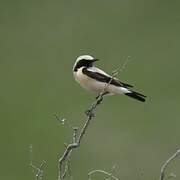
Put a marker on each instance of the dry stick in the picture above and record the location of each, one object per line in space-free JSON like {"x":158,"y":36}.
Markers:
{"x":70,"y":147}
{"x":77,"y":140}
{"x":103,"y":172}
{"x":123,"y":66}
{"x":39,"y":170}
{"x":165,"y":165}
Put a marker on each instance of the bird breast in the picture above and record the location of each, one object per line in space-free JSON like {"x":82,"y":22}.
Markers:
{"x":88,"y":83}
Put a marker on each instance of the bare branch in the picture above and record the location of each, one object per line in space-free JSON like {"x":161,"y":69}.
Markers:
{"x":103,"y":172}
{"x":76,"y":140}
{"x":165,"y":165}
{"x":39,"y":170}
{"x":121,"y":67}
{"x":63,"y":167}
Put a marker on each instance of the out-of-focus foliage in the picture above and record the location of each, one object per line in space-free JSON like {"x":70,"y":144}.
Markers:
{"x":40,"y":41}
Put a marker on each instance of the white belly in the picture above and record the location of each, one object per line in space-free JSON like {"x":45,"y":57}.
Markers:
{"x":88,"y":83}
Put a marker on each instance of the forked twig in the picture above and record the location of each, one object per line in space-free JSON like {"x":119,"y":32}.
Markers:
{"x":39,"y":170}
{"x":121,"y":67}
{"x":77,"y":138}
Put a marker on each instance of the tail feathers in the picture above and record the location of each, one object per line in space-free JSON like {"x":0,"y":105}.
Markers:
{"x":136,"y":96}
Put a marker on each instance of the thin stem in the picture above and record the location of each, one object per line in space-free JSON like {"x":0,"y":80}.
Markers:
{"x":103,"y":172}
{"x":165,"y":165}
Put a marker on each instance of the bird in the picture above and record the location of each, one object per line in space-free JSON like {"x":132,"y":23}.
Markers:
{"x":97,"y":81}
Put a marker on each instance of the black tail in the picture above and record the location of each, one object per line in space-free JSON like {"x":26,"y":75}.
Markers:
{"x":136,"y":95}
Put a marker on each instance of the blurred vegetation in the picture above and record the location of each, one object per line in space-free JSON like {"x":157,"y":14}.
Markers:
{"x":40,"y":41}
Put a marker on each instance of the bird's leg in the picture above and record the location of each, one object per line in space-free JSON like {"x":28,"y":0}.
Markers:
{"x":99,"y":97}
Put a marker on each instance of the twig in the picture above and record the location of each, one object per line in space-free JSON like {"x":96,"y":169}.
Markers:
{"x":63,"y":121}
{"x":76,"y":140}
{"x":39,"y":170}
{"x":63,"y":168}
{"x":122,"y":66}
{"x":103,"y":172}
{"x":165,"y":165}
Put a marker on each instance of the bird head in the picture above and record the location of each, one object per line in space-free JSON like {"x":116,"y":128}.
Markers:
{"x":84,"y":61}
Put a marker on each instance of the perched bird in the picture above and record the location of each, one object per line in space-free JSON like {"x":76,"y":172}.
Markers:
{"x":95,"y":80}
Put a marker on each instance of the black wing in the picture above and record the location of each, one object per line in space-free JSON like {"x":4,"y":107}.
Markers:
{"x":103,"y":78}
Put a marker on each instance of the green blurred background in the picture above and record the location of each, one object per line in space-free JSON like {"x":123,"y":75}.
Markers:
{"x":40,"y":41}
